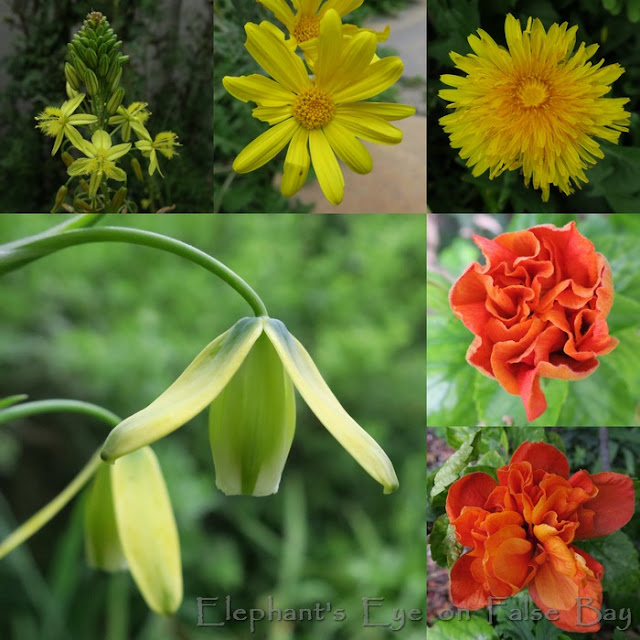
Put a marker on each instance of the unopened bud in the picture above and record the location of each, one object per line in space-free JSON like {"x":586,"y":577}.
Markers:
{"x":116,"y":79}
{"x":135,"y":165}
{"x":67,"y":158}
{"x":71,"y":92}
{"x":92,"y":82}
{"x":60,"y":196}
{"x":118,"y":200}
{"x":103,"y":66}
{"x":115,"y":100}
{"x":72,"y":76}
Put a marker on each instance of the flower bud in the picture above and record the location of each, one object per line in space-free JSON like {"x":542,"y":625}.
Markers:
{"x":103,"y":65}
{"x":115,"y":100}
{"x":251,"y":424}
{"x":67,"y":158}
{"x":118,"y":200}
{"x":72,"y":76}
{"x":60,"y":196}
{"x":116,"y":79}
{"x":137,"y":169}
{"x":71,"y":92}
{"x":92,"y":82}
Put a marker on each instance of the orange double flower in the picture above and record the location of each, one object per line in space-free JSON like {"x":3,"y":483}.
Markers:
{"x":538,"y":308}
{"x":521,"y":531}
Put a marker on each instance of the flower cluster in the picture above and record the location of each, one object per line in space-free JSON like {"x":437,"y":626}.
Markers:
{"x":533,"y":106}
{"x":324,"y":115}
{"x":521,"y":529}
{"x":93,"y":72}
{"x":538,"y":308}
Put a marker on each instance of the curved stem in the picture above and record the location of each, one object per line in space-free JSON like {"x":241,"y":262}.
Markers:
{"x":41,"y":517}
{"x":32,"y":249}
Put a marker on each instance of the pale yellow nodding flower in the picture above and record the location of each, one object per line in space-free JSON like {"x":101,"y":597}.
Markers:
{"x":132,"y":117}
{"x":165,"y":142}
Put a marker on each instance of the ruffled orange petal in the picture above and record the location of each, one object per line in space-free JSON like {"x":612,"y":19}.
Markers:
{"x":469,"y":491}
{"x":542,"y":456}
{"x":466,"y":591}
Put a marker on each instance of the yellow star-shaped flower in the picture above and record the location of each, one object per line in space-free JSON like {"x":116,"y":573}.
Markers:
{"x":132,"y":117}
{"x":165,"y":142}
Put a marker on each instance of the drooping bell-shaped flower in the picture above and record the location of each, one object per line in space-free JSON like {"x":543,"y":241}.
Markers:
{"x":247,"y":375}
{"x":129,"y":523}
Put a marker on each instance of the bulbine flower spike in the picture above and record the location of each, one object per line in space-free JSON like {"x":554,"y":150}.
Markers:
{"x":538,"y":308}
{"x":520,"y":532}
{"x":252,"y":411}
{"x":320,"y":117}
{"x":535,"y":106}
{"x":129,"y":523}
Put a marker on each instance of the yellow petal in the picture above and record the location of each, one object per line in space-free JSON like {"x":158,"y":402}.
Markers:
{"x":281,"y":11}
{"x":385,"y":110}
{"x":272,"y":115}
{"x":341,"y":6}
{"x":79,"y":166}
{"x":311,"y":386}
{"x":147,"y":529}
{"x":272,"y":54}
{"x":265,"y":92}
{"x":118,"y":151}
{"x":375,"y":79}
{"x":296,"y":164}
{"x":326,"y":167}
{"x":329,"y":50}
{"x":348,"y":148}
{"x":265,"y":147}
{"x":198,"y":385}
{"x":371,"y":128}
{"x":71,"y":105}
{"x":101,"y":139}
{"x":357,"y":56}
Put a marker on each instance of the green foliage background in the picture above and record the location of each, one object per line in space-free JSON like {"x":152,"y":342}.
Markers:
{"x":115,"y":324}
{"x":162,"y":71}
{"x":613,"y":186}
{"x":458,"y":394}
{"x":489,"y":448}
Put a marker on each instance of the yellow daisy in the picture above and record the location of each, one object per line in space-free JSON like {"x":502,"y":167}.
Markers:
{"x":303,"y":25}
{"x":533,"y":106}
{"x":323,"y":114}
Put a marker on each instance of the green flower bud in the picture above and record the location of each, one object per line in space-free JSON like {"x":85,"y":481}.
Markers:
{"x":118,"y":200}
{"x":60,"y":196}
{"x":92,"y":82}
{"x":72,"y":76}
{"x":103,"y":65}
{"x":67,"y":158}
{"x":251,"y":424}
{"x":91,"y":58}
{"x":116,"y":80}
{"x":115,"y":100}
{"x":137,"y":169}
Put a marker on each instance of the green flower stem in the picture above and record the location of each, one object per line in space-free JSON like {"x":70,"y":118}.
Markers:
{"x":41,"y":517}
{"x":35,"y":248}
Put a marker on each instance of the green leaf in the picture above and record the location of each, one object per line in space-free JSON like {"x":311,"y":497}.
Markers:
{"x":458,"y":256}
{"x":452,"y":469}
{"x":438,"y":293}
{"x":519,"y":619}
{"x":449,"y":376}
{"x":493,"y":438}
{"x":475,"y":628}
{"x":445,"y":549}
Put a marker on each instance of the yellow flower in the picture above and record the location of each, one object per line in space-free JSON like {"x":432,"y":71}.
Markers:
{"x":132,"y":117}
{"x":304,"y":25}
{"x":100,"y":160}
{"x":59,"y":122}
{"x":165,"y":142}
{"x":534,"y":107}
{"x":247,"y":376}
{"x":325,"y":114}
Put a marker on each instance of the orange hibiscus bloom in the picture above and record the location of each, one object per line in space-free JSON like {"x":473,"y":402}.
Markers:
{"x":537,"y":308}
{"x":521,"y":530}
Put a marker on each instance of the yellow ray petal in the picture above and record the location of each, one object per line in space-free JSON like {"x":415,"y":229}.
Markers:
{"x":326,"y":167}
{"x":330,"y":44}
{"x":265,"y":147}
{"x":348,"y":148}
{"x":371,"y":128}
{"x":265,"y":92}
{"x":296,"y":164}
{"x":375,"y":79}
{"x":384,"y":110}
{"x":281,"y":11}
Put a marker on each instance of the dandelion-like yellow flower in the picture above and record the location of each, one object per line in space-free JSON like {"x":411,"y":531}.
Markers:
{"x":58,"y":122}
{"x":165,"y":142}
{"x":323,"y":115}
{"x":534,"y":106}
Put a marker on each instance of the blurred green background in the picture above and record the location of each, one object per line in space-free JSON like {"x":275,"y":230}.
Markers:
{"x":613,"y":184}
{"x":170,"y":67}
{"x":115,"y":324}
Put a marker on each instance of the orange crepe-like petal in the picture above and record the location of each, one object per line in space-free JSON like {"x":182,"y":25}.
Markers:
{"x":611,"y":508}
{"x":469,"y":491}
{"x":538,"y":309}
{"x":542,"y":456}
{"x":466,"y":591}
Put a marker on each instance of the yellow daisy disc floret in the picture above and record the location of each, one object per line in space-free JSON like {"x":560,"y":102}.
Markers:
{"x":320,"y":117}
{"x":535,"y":106}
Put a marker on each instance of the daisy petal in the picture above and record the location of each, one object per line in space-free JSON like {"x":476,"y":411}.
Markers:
{"x":356,"y":57}
{"x":375,"y":79}
{"x":326,"y":167}
{"x":147,"y":529}
{"x":265,"y":92}
{"x":311,"y":386}
{"x":348,"y":148}
{"x":341,"y":6}
{"x":385,"y":110}
{"x":272,"y":54}
{"x":329,"y":45}
{"x":296,"y":164}
{"x":198,"y":385}
{"x":265,"y":147}
{"x":371,"y":128}
{"x":272,"y":115}
{"x":281,"y":11}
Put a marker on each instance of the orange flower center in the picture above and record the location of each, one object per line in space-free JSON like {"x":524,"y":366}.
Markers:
{"x":307,"y":27}
{"x":533,"y":93}
{"x":313,"y":108}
